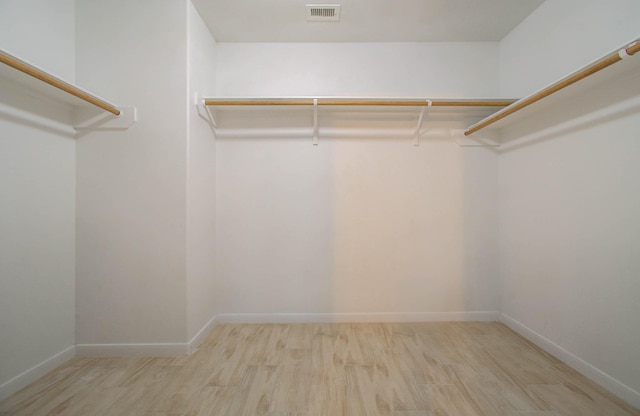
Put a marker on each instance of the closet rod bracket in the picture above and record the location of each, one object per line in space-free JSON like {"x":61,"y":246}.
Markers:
{"x":416,"y":134}
{"x":208,"y":116}
{"x":315,"y":121}
{"x":624,"y":53}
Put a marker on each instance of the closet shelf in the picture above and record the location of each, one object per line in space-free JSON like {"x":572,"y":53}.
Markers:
{"x":342,"y":116}
{"x":50,"y":86}
{"x":90,"y":111}
{"x":592,"y":75}
{"x":358,"y":102}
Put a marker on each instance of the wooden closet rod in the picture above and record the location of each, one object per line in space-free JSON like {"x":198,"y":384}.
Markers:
{"x":525,"y":102}
{"x":28,"y":69}
{"x":357,"y":102}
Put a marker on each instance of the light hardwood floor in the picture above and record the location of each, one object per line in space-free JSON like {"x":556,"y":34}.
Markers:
{"x":417,"y":369}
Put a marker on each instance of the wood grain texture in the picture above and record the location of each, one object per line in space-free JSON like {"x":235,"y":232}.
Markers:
{"x":412,"y":369}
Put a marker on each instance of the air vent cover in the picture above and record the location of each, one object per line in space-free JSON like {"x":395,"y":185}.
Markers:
{"x":323,"y":12}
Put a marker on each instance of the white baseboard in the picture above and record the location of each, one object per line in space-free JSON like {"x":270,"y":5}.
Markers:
{"x":34,"y":373}
{"x":115,"y":350}
{"x":283,"y":318}
{"x":150,"y":350}
{"x":192,"y":346}
{"x":596,"y":375}
{"x":130,"y":350}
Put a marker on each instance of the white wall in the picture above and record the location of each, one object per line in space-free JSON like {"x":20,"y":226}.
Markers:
{"x":356,"y":226}
{"x":569,"y":205}
{"x":560,"y":37}
{"x":359,"y":69}
{"x":41,"y":32}
{"x":353,"y":225}
{"x":202,"y":291}
{"x":131,"y":205}
{"x":37,"y":199}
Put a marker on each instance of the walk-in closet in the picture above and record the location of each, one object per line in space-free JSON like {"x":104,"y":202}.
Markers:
{"x":288,"y":208}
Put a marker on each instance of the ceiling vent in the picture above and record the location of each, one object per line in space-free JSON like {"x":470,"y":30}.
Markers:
{"x":323,"y":12}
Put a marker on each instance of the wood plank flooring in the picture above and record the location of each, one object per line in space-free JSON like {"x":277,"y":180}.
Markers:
{"x":416,"y":369}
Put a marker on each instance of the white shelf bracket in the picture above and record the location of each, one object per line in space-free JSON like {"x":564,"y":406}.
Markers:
{"x":315,"y":121}
{"x":211,"y":117}
{"x":206,"y":113}
{"x":416,"y":134}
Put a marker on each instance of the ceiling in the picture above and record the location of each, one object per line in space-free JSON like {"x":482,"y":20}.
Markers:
{"x":365,"y":20}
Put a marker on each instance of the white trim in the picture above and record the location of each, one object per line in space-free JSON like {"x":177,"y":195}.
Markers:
{"x":124,"y":350}
{"x":596,"y":375}
{"x":192,"y":346}
{"x":170,"y":349}
{"x":34,"y":373}
{"x":260,"y":318}
{"x":159,"y":349}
